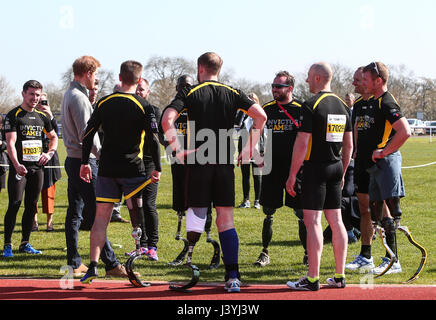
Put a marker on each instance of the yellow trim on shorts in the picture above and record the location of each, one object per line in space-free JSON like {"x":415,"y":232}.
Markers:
{"x":142,"y":186}
{"x":108,"y":200}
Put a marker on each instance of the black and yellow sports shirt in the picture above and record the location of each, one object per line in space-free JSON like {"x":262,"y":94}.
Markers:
{"x":327,"y":118}
{"x":211,"y":106}
{"x":284,"y":121}
{"x":30,"y":127}
{"x":128,"y":123}
{"x":374,"y":120}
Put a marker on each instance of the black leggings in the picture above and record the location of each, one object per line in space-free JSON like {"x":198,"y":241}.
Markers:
{"x":31,"y":185}
{"x":245,"y":170}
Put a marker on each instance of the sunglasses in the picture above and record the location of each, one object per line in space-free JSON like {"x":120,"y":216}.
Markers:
{"x":374,"y":66}
{"x":279,"y":85}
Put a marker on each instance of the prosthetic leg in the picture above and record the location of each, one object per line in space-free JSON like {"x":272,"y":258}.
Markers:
{"x":136,"y":216}
{"x":394,"y":206}
{"x":195,"y":225}
{"x":215,"y":262}
{"x":181,"y":257}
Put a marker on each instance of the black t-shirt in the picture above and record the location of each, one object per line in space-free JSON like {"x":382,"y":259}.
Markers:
{"x":284,"y":125}
{"x":327,"y":118}
{"x":30,"y":127}
{"x":374,"y":119}
{"x":211,"y":107}
{"x":181,"y":125}
{"x":128,"y":123}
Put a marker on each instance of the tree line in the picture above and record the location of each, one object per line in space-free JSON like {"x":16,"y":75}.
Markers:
{"x":414,"y":94}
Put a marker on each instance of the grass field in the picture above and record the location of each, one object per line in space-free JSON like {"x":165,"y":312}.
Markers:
{"x":285,"y":251}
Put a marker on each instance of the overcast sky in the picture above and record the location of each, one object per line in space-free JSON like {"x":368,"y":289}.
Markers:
{"x":40,"y":39}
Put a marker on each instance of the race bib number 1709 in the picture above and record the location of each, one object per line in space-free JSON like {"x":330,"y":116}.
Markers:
{"x":32,"y":150}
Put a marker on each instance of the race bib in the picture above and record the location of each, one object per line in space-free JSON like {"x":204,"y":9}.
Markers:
{"x":32,"y":150}
{"x":335,"y":127}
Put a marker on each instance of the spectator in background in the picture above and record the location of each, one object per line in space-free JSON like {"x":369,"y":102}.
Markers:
{"x":93,"y":93}
{"x":51,"y":174}
{"x":4,"y":162}
{"x":244,"y":125}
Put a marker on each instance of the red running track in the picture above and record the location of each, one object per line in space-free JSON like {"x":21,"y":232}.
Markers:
{"x":35,"y":289}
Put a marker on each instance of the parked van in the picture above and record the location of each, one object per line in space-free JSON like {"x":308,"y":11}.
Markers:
{"x":416,"y":126}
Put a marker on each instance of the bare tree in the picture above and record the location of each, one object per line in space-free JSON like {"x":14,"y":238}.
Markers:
{"x":8,"y":98}
{"x":162,"y":74}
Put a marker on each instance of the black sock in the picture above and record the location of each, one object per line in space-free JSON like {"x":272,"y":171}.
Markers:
{"x":365,"y":251}
{"x":93,"y":264}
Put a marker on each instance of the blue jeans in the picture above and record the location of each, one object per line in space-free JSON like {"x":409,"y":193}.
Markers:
{"x":81,"y":202}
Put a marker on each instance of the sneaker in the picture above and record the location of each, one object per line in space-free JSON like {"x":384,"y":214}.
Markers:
{"x":90,"y":275}
{"x":27,"y":248}
{"x":336,"y":283}
{"x":244,"y":205}
{"x":395,"y":268}
{"x":7,"y":251}
{"x":143,"y":251}
{"x":303,"y":285}
{"x":256,"y":204}
{"x":360,"y":263}
{"x":233,"y":285}
{"x":263,"y":260}
{"x":152,"y":254}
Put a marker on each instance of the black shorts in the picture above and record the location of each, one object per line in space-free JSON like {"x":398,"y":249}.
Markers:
{"x":178,"y":172}
{"x":361,"y":178}
{"x":208,"y":184}
{"x":274,"y":185}
{"x":322,"y":185}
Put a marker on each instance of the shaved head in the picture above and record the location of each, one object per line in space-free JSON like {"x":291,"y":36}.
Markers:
{"x":324,"y":70}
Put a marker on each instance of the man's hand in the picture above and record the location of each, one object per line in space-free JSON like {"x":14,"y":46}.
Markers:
{"x":290,"y":185}
{"x":155,"y":176}
{"x":86,"y":173}
{"x":377,"y":154}
{"x":21,"y":170}
{"x":45,"y":157}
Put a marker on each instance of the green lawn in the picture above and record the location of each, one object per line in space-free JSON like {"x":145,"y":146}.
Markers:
{"x":285,"y":251}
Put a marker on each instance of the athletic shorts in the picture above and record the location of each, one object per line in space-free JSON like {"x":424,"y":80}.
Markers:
{"x":273,"y":188}
{"x":386,"y":180}
{"x":178,"y":172}
{"x":322,"y":185}
{"x":208,"y":184}
{"x":112,"y":189}
{"x":361,"y":178}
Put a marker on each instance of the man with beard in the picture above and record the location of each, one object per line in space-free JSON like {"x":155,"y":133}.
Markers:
{"x":283,"y":124}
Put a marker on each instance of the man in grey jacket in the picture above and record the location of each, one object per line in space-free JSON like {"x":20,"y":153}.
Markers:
{"x":76,"y":111}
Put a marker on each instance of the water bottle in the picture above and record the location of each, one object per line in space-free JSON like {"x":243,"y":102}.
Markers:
{"x":18,"y":177}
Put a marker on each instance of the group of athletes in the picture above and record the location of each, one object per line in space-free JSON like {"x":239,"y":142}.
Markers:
{"x":309,"y":147}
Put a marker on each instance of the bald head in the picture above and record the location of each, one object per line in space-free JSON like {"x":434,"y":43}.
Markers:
{"x":319,"y":77}
{"x":324,"y":70}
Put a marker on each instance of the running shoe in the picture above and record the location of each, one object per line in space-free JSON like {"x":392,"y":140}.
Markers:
{"x":7,"y":251}
{"x":152,"y":254}
{"x":336,"y":282}
{"x":360,"y":263}
{"x":27,"y":248}
{"x":303,"y":285}
{"x":244,"y":205}
{"x":90,"y":275}
{"x":395,"y":268}
{"x":143,"y":251}
{"x":263,"y":260}
{"x":233,"y":285}
{"x":256,"y":204}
